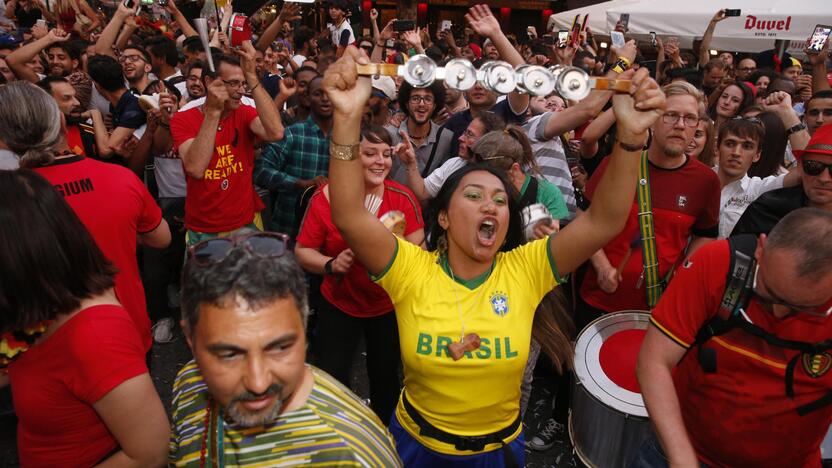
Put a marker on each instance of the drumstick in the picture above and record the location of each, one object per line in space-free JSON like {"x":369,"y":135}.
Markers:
{"x":627,"y":255}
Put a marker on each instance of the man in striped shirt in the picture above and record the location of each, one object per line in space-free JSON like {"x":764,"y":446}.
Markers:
{"x":248,"y":398}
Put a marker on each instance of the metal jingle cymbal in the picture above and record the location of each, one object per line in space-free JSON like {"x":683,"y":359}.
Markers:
{"x":459,"y":74}
{"x":498,"y":76}
{"x":535,"y":80}
{"x":419,"y":71}
{"x":572,"y":83}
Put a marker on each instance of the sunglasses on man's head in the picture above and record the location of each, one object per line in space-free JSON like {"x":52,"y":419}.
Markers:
{"x":815,"y":168}
{"x":261,"y":244}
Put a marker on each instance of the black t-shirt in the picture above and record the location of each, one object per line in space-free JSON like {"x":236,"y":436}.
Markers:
{"x":128,"y":113}
{"x":271,"y":83}
{"x":765,"y":212}
{"x":460,"y":121}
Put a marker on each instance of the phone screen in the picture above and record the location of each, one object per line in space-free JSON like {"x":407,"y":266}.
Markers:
{"x":563,"y":38}
{"x":653,"y":38}
{"x":403,"y":25}
{"x":625,"y":20}
{"x":617,"y":39}
{"x":819,"y":37}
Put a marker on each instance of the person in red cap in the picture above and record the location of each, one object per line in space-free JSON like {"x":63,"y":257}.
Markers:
{"x":472,"y":52}
{"x":815,"y":166}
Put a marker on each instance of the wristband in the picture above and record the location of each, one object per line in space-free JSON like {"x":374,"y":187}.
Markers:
{"x":629,"y":146}
{"x":621,"y":65}
{"x":253,"y":88}
{"x":795,"y":129}
{"x":328,"y":266}
{"x":343,"y":152}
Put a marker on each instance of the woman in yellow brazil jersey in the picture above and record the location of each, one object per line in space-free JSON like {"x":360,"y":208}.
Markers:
{"x":465,"y":308}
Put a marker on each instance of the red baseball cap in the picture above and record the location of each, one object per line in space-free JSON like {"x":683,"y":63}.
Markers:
{"x":820,"y":143}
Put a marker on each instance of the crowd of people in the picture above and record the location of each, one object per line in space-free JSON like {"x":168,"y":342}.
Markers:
{"x":284,"y":211}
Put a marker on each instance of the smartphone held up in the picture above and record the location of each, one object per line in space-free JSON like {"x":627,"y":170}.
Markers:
{"x":819,"y":38}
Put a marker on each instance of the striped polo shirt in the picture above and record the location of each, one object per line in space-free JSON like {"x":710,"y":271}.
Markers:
{"x":333,"y":428}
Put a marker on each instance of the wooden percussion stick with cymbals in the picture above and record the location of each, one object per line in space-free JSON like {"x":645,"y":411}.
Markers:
{"x":579,"y":84}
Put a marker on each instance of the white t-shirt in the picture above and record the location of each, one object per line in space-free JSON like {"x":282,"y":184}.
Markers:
{"x":299,"y":59}
{"x":338,"y":30}
{"x":170,"y":175}
{"x":737,"y":195}
{"x":437,"y":178}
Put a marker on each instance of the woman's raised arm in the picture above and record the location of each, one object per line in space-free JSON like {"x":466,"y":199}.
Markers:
{"x":372,"y":243}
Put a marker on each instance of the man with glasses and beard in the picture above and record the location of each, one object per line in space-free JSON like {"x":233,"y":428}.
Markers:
{"x":431,"y":143}
{"x":135,"y":63}
{"x":684,"y":195}
{"x":815,"y":168}
{"x":735,"y":364}
{"x":248,"y":398}
{"x":215,"y":140}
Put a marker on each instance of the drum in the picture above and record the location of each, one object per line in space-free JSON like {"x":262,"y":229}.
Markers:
{"x":608,"y":420}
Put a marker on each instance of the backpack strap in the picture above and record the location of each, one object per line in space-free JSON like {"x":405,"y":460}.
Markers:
{"x":738,"y":291}
{"x":426,"y":170}
{"x":735,"y":298}
{"x":530,"y":196}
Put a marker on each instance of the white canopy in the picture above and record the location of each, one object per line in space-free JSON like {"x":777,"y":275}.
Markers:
{"x":597,"y":16}
{"x":761,"y":21}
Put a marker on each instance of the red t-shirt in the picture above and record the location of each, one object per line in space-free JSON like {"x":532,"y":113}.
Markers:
{"x":354,"y":293}
{"x":685,"y":202}
{"x":225,"y":199}
{"x":56,"y":383}
{"x":114,"y":205}
{"x":74,"y":141}
{"x":740,"y":415}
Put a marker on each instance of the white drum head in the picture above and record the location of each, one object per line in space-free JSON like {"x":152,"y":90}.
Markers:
{"x":605,"y":355}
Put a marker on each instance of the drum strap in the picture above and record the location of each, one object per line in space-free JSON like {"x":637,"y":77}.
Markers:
{"x":464,"y":443}
{"x":738,"y":290}
{"x":649,"y":255}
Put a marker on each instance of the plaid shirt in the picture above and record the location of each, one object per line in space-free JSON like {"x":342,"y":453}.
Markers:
{"x":302,"y":154}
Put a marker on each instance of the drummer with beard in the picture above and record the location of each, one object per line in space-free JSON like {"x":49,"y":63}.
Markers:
{"x":465,"y":308}
{"x":81,"y":137}
{"x":758,"y":393}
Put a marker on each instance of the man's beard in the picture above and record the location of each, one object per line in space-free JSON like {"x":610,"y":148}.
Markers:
{"x":674,"y":151}
{"x":263,"y":417}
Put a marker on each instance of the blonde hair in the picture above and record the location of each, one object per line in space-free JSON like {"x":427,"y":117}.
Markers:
{"x":682,"y":88}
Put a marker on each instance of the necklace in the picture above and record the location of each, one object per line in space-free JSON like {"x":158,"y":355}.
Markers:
{"x":211,"y":448}
{"x":470,"y":341}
